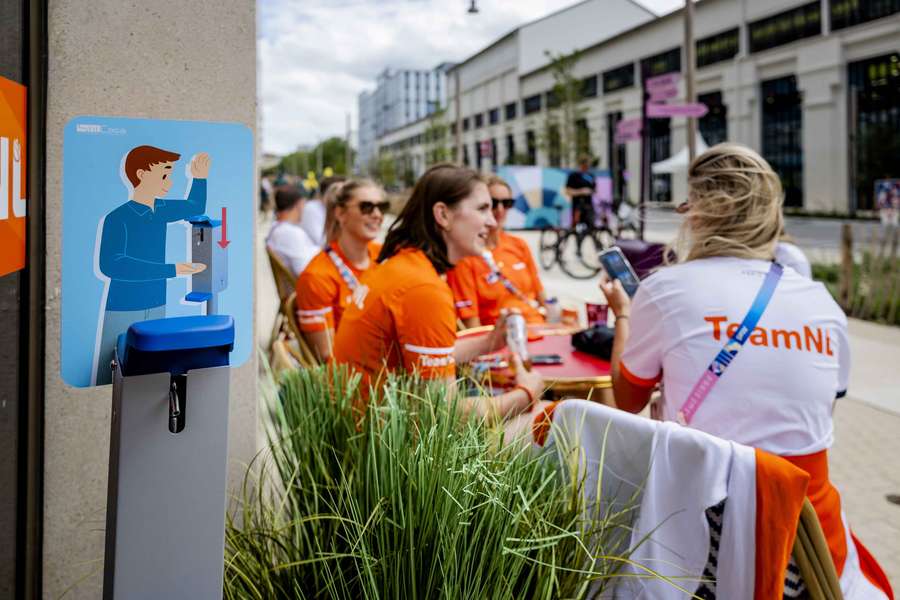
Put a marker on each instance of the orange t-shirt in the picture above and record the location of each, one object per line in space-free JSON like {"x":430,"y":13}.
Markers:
{"x":480,"y":294}
{"x":322,"y":294}
{"x":406,"y":322}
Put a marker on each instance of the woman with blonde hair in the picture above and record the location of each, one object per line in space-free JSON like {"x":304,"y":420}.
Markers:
{"x":746,"y":350}
{"x":331,"y":281}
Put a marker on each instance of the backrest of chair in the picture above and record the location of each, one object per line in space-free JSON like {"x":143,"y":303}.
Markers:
{"x":284,"y":279}
{"x":307,"y":356}
{"x":813,"y":557}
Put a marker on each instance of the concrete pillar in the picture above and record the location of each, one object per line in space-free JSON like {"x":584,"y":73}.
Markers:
{"x":164,"y":60}
{"x":820,"y":69}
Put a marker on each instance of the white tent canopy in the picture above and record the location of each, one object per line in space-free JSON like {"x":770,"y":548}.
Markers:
{"x":678,"y":162}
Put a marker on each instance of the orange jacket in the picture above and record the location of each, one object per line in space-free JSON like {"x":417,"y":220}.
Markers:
{"x":406,"y":322}
{"x":478,"y":294}
{"x":322,"y":294}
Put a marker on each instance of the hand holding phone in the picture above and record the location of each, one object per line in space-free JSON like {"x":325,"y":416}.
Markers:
{"x":617,"y":267}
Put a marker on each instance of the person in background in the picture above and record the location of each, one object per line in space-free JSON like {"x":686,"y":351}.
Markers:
{"x":286,"y":238}
{"x":313,"y":222}
{"x":790,"y":255}
{"x":779,"y":392}
{"x":580,"y":190}
{"x":504,"y":277}
{"x":355,"y":211}
{"x":407,"y":320}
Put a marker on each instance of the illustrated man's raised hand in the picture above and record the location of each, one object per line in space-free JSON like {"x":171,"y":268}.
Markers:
{"x":200,"y":166}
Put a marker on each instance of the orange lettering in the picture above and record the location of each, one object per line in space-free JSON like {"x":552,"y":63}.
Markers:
{"x":732,"y":329}
{"x":813,"y":339}
{"x":828,"y":345}
{"x":787,"y":336}
{"x":716,"y":321}
{"x":759,"y":337}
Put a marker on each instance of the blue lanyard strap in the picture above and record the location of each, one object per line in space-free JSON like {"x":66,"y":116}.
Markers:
{"x":726,"y":355}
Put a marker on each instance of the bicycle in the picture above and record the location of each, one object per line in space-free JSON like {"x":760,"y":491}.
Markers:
{"x":576,"y":249}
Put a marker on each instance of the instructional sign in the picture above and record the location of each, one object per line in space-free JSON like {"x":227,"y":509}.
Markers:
{"x":13,"y":113}
{"x":157,"y":222}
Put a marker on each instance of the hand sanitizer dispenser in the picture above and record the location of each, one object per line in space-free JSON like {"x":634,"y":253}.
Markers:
{"x":209,"y":248}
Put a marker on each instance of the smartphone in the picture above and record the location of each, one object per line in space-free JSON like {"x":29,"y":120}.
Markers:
{"x":617,"y":267}
{"x":546,"y":359}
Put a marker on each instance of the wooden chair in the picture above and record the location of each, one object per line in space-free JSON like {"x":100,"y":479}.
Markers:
{"x":282,"y":359}
{"x":297,"y":345}
{"x":284,"y":285}
{"x":813,"y":557}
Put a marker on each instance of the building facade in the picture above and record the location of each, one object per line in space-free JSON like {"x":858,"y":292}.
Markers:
{"x":813,"y":86}
{"x":400,"y":97}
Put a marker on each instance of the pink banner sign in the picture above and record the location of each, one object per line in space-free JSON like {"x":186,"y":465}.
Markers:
{"x":662,"y":111}
{"x":627,"y":126}
{"x":662,"y":81}
{"x":660,"y":95}
{"x":621,"y":138}
{"x":487,"y":149}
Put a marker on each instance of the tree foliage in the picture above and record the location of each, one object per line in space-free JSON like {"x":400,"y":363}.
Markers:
{"x":333,"y":154}
{"x":560,"y":136}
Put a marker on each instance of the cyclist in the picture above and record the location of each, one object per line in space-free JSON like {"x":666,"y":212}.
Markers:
{"x":580,"y":189}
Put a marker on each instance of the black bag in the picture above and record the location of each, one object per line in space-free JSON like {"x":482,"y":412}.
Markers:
{"x":596,"y":341}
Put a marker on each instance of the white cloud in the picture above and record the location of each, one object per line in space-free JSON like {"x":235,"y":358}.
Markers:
{"x":316,"y":56}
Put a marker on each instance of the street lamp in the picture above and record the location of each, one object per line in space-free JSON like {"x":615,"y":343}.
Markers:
{"x":473,"y":10}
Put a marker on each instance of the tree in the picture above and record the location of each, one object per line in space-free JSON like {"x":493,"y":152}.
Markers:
{"x":564,"y":134}
{"x":333,"y":154}
{"x":437,"y":138}
{"x":385,"y":170}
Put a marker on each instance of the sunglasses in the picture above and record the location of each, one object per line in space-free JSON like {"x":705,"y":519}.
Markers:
{"x":367,"y":208}
{"x":507,"y":203}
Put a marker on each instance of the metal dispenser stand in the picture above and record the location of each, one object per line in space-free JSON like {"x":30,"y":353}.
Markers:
{"x":165,"y":522}
{"x":208,"y":247}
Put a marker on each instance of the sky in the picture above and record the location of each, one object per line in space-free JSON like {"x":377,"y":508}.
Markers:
{"x":316,"y":56}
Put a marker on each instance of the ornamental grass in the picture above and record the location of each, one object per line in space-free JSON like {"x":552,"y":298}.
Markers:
{"x":408,"y":499}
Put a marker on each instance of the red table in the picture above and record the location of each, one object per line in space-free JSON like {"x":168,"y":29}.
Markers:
{"x":580,"y":374}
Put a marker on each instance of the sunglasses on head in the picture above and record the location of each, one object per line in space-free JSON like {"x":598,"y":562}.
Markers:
{"x":507,"y":203}
{"x":367,"y":208}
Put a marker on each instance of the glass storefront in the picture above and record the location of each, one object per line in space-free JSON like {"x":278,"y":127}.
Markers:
{"x":782,"y":134}
{"x":874,"y":97}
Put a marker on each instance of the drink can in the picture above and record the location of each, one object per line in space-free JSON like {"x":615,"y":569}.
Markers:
{"x":517,"y":337}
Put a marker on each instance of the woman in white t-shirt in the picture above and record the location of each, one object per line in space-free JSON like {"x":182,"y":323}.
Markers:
{"x":778,"y":392}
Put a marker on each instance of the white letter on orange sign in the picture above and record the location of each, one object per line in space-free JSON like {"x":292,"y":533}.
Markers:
{"x":4,"y":178}
{"x":18,"y":201}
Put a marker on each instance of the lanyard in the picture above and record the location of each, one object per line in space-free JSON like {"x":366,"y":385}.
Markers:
{"x":726,"y":355}
{"x":496,"y":275}
{"x":343,"y":270}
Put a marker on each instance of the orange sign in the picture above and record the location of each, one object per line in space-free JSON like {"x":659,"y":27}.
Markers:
{"x":13,"y":107}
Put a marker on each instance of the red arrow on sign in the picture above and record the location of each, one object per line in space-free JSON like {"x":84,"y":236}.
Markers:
{"x":662,"y":111}
{"x":223,"y":243}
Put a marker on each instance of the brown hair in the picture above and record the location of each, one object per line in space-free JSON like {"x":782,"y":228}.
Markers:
{"x":734,"y":206}
{"x":144,"y":157}
{"x":286,"y":197}
{"x":416,"y":227}
{"x":340,"y":194}
{"x":497,"y":180}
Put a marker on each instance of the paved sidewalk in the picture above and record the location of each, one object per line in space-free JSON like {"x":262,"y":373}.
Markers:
{"x":865,"y":467}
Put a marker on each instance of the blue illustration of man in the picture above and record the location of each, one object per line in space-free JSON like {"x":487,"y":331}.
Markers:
{"x":133,"y":245}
